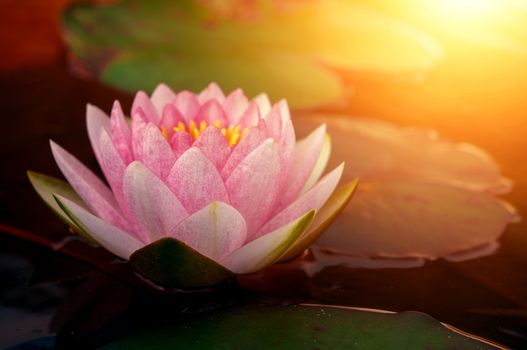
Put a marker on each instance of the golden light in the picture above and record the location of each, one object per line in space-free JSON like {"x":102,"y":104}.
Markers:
{"x":451,"y":14}
{"x":467,"y":9}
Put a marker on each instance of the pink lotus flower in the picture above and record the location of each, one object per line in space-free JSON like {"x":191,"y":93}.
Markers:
{"x":222,"y":175}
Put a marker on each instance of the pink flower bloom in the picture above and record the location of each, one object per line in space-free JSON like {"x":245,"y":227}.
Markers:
{"x":222,"y":174}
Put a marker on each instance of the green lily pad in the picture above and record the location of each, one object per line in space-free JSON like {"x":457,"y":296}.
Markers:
{"x":291,"y":53}
{"x":302,"y":327}
{"x":170,"y":263}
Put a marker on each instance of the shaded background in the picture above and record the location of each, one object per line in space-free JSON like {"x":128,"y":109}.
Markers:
{"x":476,"y":93}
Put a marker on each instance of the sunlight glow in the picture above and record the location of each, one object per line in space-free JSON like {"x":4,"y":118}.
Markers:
{"x":468,"y":11}
{"x":468,"y":8}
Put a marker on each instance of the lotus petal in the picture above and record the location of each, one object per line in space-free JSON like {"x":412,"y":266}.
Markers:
{"x":215,"y":231}
{"x":155,"y":208}
{"x":235,"y":105}
{"x":110,"y":237}
{"x":274,"y":123}
{"x":210,"y":112}
{"x":259,"y":170}
{"x":180,"y":143}
{"x":251,"y":116}
{"x":162,"y":96}
{"x":306,"y":154}
{"x":121,"y":134}
{"x":187,"y":104}
{"x":320,"y":165}
{"x":113,"y":166}
{"x":267,"y":249}
{"x":214,"y":146}
{"x":89,"y":187}
{"x":263,"y":104}
{"x":325,"y":217}
{"x":212,"y":91}
{"x":312,"y":199}
{"x":96,"y":120}
{"x":143,"y":102}
{"x":171,"y":116}
{"x":195,"y":181}
{"x":254,"y":138}
{"x":152,"y":149}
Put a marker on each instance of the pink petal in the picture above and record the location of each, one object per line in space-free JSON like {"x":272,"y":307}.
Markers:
{"x":180,"y":143}
{"x":273,"y":122}
{"x":212,"y":91}
{"x":187,"y":104}
{"x":155,"y":208}
{"x":235,"y":104}
{"x":287,"y":142}
{"x":251,"y":116}
{"x":113,"y":166}
{"x":305,"y":156}
{"x":324,"y":218}
{"x":312,"y":199}
{"x":96,"y":121}
{"x":264,"y":105}
{"x":254,"y":138}
{"x":196,"y":181}
{"x":210,"y":112}
{"x":162,"y":96}
{"x":170,"y":118}
{"x":214,"y":146}
{"x":121,"y":134}
{"x":142,"y":101}
{"x":267,"y":249}
{"x":253,"y":185}
{"x":214,"y":231}
{"x":89,"y":187}
{"x":283,"y":110}
{"x":152,"y":149}
{"x":139,"y":115}
{"x":110,"y":237}
{"x":320,"y":165}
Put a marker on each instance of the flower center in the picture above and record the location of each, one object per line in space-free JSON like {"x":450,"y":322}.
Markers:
{"x":232,"y":133}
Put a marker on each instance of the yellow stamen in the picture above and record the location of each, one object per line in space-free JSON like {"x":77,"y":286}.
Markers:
{"x":232,"y":133}
{"x":164,"y":132}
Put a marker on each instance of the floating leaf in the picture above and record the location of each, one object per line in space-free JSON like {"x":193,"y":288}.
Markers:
{"x":419,"y":196}
{"x":288,"y":52}
{"x":301,"y":327}
{"x":416,"y":219}
{"x":172,"y":264}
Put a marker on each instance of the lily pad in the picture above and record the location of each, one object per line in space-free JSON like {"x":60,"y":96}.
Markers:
{"x":172,"y":264}
{"x":403,"y":219}
{"x":420,"y":196}
{"x":302,"y":327}
{"x":292,"y":52}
